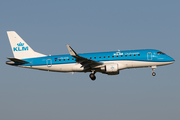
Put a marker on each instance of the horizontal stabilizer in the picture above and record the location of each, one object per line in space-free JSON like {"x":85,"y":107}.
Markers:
{"x":17,"y":60}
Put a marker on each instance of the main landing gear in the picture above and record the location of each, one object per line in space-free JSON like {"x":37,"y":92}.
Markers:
{"x":153,"y":68}
{"x":92,"y":75}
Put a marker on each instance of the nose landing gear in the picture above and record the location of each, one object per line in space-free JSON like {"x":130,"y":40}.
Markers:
{"x":153,"y":74}
{"x":153,"y":68}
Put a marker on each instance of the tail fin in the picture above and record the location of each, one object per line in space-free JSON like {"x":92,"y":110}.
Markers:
{"x":20,"y":48}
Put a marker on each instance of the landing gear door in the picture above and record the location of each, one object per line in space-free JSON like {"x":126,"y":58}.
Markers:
{"x":149,"y":56}
{"x":49,"y":62}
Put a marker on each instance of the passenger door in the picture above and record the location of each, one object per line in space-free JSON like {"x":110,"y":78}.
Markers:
{"x":149,"y":56}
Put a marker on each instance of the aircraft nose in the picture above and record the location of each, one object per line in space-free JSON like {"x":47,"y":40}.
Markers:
{"x":171,"y":60}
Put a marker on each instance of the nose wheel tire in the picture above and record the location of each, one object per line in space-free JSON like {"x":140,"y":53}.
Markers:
{"x":153,"y":74}
{"x":153,"y":68}
{"x":92,"y":76}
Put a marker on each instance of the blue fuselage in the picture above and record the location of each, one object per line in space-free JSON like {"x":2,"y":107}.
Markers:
{"x":145,"y":55}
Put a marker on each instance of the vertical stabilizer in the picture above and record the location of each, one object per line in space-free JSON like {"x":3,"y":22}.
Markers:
{"x":20,"y":48}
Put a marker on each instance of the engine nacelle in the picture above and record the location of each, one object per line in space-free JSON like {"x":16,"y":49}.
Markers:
{"x":110,"y":69}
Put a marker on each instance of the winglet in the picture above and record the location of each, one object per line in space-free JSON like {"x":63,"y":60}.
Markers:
{"x":71,"y":51}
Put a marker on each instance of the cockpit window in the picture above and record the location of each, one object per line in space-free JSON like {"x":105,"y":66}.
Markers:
{"x":159,"y":53}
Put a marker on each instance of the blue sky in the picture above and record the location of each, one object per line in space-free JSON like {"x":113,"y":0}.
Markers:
{"x":91,"y":26}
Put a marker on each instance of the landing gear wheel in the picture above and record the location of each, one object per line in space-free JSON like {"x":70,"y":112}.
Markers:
{"x":92,"y":76}
{"x":153,"y":74}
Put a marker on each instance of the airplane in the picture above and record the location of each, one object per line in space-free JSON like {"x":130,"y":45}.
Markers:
{"x":109,"y":63}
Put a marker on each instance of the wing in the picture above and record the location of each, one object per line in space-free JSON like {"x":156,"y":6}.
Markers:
{"x":86,"y":63}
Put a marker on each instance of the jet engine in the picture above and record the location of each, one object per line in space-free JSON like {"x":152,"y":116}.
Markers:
{"x":110,"y":69}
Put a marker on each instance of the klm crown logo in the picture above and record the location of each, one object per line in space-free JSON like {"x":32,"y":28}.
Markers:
{"x":118,"y":53}
{"x":20,"y":44}
{"x":112,"y":67}
{"x":20,"y":47}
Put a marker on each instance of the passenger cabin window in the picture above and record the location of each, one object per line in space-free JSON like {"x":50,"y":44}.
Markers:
{"x":112,"y":56}
{"x":130,"y":55}
{"x":108,"y":56}
{"x":134,"y":54}
{"x":94,"y":57}
{"x":99,"y":57}
{"x":138,"y":54}
{"x":125,"y":55}
{"x":104,"y":57}
{"x":55,"y":59}
{"x":121,"y":55}
{"x":90,"y":57}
